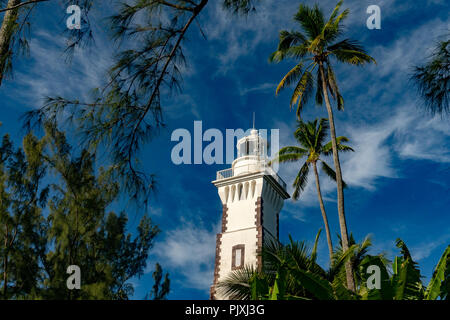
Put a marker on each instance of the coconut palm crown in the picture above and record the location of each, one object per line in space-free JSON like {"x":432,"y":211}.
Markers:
{"x":314,"y":48}
{"x":311,"y":138}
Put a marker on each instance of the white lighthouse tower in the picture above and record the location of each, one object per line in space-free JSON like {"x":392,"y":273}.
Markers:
{"x":252,"y":195}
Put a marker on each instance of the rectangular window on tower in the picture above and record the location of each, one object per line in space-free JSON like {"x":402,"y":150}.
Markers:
{"x":237,"y":257}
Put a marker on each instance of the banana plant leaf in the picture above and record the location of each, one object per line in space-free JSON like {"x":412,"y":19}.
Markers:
{"x":434,"y":289}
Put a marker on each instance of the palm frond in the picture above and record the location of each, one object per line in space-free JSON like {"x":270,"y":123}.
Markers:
{"x":321,"y":133}
{"x":302,"y":92}
{"x":352,"y":56}
{"x":304,"y":135}
{"x":332,"y":28}
{"x":300,"y":181}
{"x":314,"y":250}
{"x":311,"y":20}
{"x":316,"y":285}
{"x":319,"y":91}
{"x":340,"y":257}
{"x":293,"y":75}
{"x":330,"y":172}
{"x":346,"y":44}
{"x":333,"y":87}
{"x":327,"y":149}
{"x":297,"y":52}
{"x":291,"y":149}
{"x":288,"y":157}
{"x":274,"y":256}
{"x":236,"y":285}
{"x":289,"y":154}
{"x":288,"y":41}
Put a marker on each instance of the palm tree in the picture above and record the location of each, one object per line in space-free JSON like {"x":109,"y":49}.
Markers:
{"x":311,"y":137}
{"x":314,"y":49}
{"x":291,"y":272}
{"x":432,"y":79}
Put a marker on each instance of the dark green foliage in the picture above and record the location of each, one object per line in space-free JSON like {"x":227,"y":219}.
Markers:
{"x":48,"y":228}
{"x":290,"y":272}
{"x":406,"y":278}
{"x":22,"y":225}
{"x":240,"y":284}
{"x":160,"y":290}
{"x":445,"y":284}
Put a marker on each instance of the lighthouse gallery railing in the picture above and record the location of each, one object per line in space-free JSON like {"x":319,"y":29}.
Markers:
{"x":228,"y":173}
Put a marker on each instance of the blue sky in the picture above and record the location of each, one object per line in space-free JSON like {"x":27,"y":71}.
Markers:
{"x":398,"y":177}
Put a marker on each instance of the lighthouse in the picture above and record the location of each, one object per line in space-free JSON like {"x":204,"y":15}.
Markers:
{"x":252,"y":195}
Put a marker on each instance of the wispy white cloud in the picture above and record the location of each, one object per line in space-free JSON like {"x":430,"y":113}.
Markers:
{"x":428,"y":140}
{"x":189,"y":250}
{"x":242,"y":36}
{"x":181,"y":105}
{"x":291,"y":211}
{"x":425,"y":249}
{"x":405,"y":135}
{"x":48,"y":74}
{"x":261,"y":88}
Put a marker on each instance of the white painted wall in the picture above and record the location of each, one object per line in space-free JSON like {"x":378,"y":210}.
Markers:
{"x":240,"y":198}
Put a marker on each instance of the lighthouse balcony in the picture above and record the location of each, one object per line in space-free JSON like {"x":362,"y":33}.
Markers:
{"x":231,"y":172}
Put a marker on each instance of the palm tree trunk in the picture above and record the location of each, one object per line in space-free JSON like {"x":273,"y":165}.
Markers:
{"x":6,"y":32}
{"x":340,"y":188}
{"x":324,"y":214}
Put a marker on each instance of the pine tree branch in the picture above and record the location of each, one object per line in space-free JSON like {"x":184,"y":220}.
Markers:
{"x":176,"y":6}
{"x":196,"y":12}
{"x":22,"y":4}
